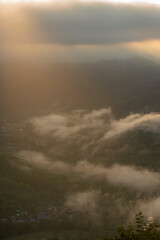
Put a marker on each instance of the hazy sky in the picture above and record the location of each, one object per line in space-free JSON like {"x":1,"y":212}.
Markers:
{"x":57,"y":1}
{"x":134,"y":1}
{"x":79,"y":30}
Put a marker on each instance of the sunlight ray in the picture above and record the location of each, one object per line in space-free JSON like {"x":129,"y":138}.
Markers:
{"x":157,"y":2}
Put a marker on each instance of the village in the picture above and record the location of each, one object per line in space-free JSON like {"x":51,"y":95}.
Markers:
{"x":48,"y":213}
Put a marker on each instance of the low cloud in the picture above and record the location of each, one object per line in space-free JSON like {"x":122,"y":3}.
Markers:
{"x":127,"y":176}
{"x":38,"y":159}
{"x":148,"y":122}
{"x":100,"y":124}
{"x":150,"y":207}
{"x":86,"y":145}
{"x":63,"y":126}
{"x":119,"y":175}
{"x":86,"y":202}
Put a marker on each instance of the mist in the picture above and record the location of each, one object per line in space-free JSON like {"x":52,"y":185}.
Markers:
{"x":99,"y":157}
{"x":79,"y":117}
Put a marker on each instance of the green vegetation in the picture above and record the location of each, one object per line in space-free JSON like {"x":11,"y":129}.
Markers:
{"x":140,"y":230}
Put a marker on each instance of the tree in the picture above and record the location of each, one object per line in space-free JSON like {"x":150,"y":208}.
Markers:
{"x":140,"y":230}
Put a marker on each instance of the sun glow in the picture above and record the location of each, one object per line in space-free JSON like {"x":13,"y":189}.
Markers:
{"x":24,"y":1}
{"x":152,"y":48}
{"x":157,"y":2}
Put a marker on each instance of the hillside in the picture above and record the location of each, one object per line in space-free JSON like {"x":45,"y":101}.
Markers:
{"x":82,"y":147}
{"x":125,"y":85}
